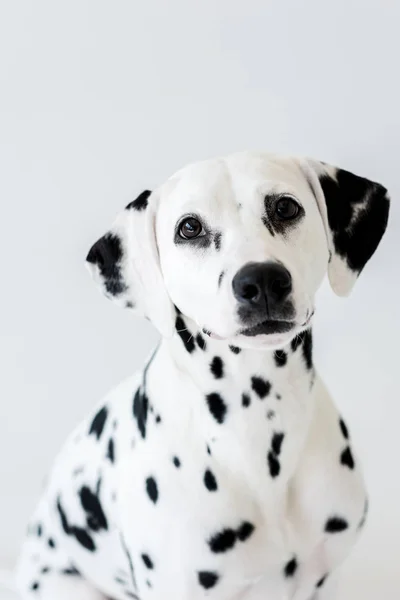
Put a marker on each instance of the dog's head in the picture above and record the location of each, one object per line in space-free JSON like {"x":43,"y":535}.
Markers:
{"x":241,"y":244}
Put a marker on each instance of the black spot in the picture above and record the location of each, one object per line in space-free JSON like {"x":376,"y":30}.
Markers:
{"x":207,"y":579}
{"x":296,"y":341}
{"x":129,"y":304}
{"x":51,"y":543}
{"x":152,"y":489}
{"x":276,"y":444}
{"x":278,"y":396}
{"x":344,"y":430}
{"x":35,"y":586}
{"x":110,"y":451}
{"x":217,"y":407}
{"x":107,"y":254}
{"x":223,"y":541}
{"x":336,"y":525}
{"x":141,"y":201}
{"x":270,"y":415}
{"x":245,"y":530}
{"x":217,"y":240}
{"x":39,"y":530}
{"x":220,"y":278}
{"x":307,"y":348}
{"x":147,"y":561}
{"x":246,"y":400}
{"x":78,"y":471}
{"x":140,"y":411}
{"x":347,"y":459}
{"x":80,"y":534}
{"x":261,"y":387}
{"x":280,"y":357}
{"x":176,"y":462}
{"x":321,"y":581}
{"x":208,"y":450}
{"x":119,"y":580}
{"x":356,"y":234}
{"x":209,"y":481}
{"x":201,"y":342}
{"x":97,"y":425}
{"x":273,"y":464}
{"x":45,"y":570}
{"x":290,"y":568}
{"x":95,"y":517}
{"x":158,"y":419}
{"x":71,"y":571}
{"x":184,"y":334}
{"x":235,"y":349}
{"x":148,"y":583}
{"x":217,"y":367}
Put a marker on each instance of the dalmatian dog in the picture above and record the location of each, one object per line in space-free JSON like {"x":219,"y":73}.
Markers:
{"x":222,"y":470}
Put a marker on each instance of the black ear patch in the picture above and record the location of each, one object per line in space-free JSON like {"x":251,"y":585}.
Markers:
{"x":107,"y":254}
{"x":141,"y":201}
{"x":358,"y":212}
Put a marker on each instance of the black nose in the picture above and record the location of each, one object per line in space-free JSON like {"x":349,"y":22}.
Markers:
{"x":262,"y":285}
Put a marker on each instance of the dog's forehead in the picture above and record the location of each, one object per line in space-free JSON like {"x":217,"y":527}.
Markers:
{"x":232,"y":178}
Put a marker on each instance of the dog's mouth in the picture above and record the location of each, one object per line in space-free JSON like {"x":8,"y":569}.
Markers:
{"x":268,"y":327}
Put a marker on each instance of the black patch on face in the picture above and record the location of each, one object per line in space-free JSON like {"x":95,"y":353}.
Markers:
{"x":51,"y":543}
{"x":277,"y":441}
{"x":97,"y":425}
{"x":217,"y":407}
{"x":217,"y":240}
{"x":207,"y":579}
{"x":245,"y":530}
{"x":307,"y":348}
{"x":45,"y":570}
{"x":141,"y":201}
{"x":344,"y":430}
{"x":260,"y":386}
{"x":280,"y":358}
{"x":290,"y":568}
{"x":217,"y":367}
{"x":158,"y":419}
{"x":95,"y":517}
{"x":220,"y":278}
{"x":152,"y":489}
{"x":107,"y":254}
{"x":235,"y":349}
{"x":201,"y":342}
{"x":355,"y":237}
{"x":336,"y":525}
{"x":80,"y":534}
{"x":147,"y":561}
{"x":140,"y":411}
{"x":268,"y":224}
{"x":321,"y":582}
{"x":176,"y":462}
{"x":111,"y":451}
{"x":39,"y":530}
{"x":246,"y":400}
{"x":184,"y":334}
{"x":347,"y":459}
{"x":209,"y":481}
{"x":223,"y":541}
{"x":35,"y":586}
{"x":208,"y":450}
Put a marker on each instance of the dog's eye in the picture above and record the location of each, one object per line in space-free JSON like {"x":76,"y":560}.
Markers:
{"x":286,"y":208}
{"x":190,"y":228}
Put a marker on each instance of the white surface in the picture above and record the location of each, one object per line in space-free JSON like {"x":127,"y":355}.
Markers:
{"x":100,"y":99}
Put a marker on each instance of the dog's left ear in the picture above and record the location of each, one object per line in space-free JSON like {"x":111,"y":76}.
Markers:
{"x":355,"y":215}
{"x":125,"y":264}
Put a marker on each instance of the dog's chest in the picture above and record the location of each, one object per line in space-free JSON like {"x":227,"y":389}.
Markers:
{"x":204,"y":487}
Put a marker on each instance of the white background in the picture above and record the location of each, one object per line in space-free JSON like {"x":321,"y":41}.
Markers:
{"x":100,"y":99}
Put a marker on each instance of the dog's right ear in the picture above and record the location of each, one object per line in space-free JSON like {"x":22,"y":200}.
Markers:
{"x":125,"y":264}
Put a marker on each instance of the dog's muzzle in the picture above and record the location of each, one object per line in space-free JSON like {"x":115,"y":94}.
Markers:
{"x":263,"y":292}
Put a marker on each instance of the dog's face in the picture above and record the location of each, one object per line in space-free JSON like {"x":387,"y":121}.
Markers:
{"x":241,"y":244}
